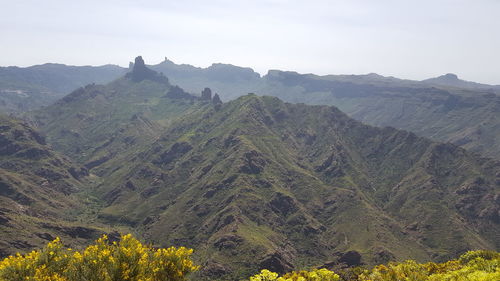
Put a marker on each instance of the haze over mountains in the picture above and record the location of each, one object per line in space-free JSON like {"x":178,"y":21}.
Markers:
{"x":445,"y":108}
{"x":23,"y":89}
{"x":257,"y":182}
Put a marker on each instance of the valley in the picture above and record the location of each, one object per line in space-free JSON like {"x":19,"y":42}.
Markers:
{"x":255,"y":181}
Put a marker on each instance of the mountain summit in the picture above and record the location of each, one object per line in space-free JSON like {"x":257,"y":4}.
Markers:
{"x":141,"y":72}
{"x":452,"y":80}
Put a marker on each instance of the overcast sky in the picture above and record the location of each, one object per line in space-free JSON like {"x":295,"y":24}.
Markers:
{"x":414,"y":39}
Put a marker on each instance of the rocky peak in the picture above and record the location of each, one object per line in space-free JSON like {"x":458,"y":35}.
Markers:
{"x":206,"y":94}
{"x":141,"y":72}
{"x":449,"y":77}
{"x":216,"y":100}
{"x":139,"y":63}
{"x":446,"y":79}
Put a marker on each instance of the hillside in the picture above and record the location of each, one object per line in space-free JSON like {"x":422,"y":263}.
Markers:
{"x":27,"y":88}
{"x":444,"y":109}
{"x":463,"y":117}
{"x":96,"y":122}
{"x":38,"y":192}
{"x":259,"y":183}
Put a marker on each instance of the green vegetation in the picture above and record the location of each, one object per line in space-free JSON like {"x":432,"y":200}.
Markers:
{"x":471,"y":266}
{"x":444,"y":109}
{"x":38,"y":192}
{"x":253,"y":183}
{"x":261,"y":182}
{"x":313,"y":275}
{"x":96,"y":123}
{"x":456,"y":111}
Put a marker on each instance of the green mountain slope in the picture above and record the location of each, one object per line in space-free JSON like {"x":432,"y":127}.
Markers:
{"x":97,"y":122}
{"x":23,"y":89}
{"x":445,"y":109}
{"x":259,"y":183}
{"x":38,"y":192}
{"x":464,"y":117}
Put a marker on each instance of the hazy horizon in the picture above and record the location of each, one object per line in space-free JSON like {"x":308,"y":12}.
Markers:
{"x":404,"y":39}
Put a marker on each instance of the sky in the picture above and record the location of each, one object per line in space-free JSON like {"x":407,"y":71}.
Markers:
{"x":406,"y":39}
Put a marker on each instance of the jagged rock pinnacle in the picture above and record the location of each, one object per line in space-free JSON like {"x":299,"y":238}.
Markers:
{"x":139,"y":63}
{"x":206,"y":94}
{"x":141,"y":72}
{"x":216,"y":100}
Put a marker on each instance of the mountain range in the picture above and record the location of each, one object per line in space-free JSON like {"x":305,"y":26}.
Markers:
{"x":444,"y":108}
{"x":24,"y":89}
{"x":255,"y":182}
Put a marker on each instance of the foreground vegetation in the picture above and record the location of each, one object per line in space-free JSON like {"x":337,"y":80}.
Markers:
{"x":471,"y":266}
{"x":128,"y":259}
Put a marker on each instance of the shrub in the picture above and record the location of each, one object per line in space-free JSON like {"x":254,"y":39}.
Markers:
{"x":314,"y":275}
{"x":127,"y":259}
{"x":471,"y":266}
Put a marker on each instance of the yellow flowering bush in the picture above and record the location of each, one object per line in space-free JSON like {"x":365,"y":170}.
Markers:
{"x":127,"y":259}
{"x":471,"y":266}
{"x":313,"y":275}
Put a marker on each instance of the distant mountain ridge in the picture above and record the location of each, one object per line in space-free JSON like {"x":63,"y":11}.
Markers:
{"x":23,"y":89}
{"x":452,"y":80}
{"x":186,"y":75}
{"x":445,"y":108}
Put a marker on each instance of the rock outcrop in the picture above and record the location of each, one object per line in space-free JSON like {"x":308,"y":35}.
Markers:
{"x":141,"y":72}
{"x":216,"y":100}
{"x":206,"y":94}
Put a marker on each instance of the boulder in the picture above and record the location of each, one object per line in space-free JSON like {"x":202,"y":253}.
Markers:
{"x":277,"y":261}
